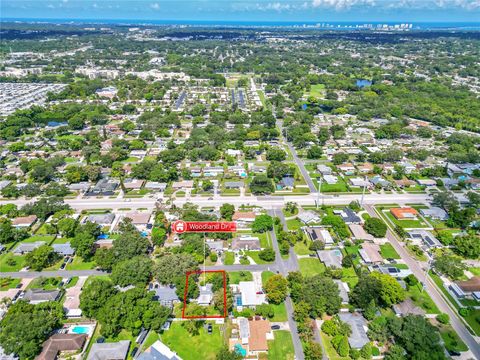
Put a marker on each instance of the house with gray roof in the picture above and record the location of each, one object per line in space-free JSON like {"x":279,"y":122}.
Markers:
{"x":109,"y":351}
{"x":424,"y":237}
{"x":24,"y":248}
{"x":104,"y":187}
{"x":101,"y":219}
{"x":4,"y":184}
{"x":166,"y":295}
{"x":37,"y":296}
{"x":206,"y":295}
{"x":358,"y":338}
{"x":234,"y":184}
{"x":435,"y":212}
{"x":158,"y":351}
{"x":63,"y":249}
{"x":331,"y":258}
{"x":308,"y":217}
{"x":343,"y":290}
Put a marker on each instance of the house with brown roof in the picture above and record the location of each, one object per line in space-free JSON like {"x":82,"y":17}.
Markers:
{"x":470,"y":287}
{"x":260,"y":333}
{"x":139,"y":219}
{"x":24,"y":221}
{"x":365,"y":168}
{"x":404,"y":213}
{"x":370,"y":253}
{"x":407,"y":307}
{"x":244,"y":216}
{"x":60,"y":343}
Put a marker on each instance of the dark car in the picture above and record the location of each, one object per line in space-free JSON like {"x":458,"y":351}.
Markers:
{"x":454,"y":353}
{"x":209,"y":328}
{"x":134,"y":351}
{"x":19,"y":285}
{"x":275,"y":327}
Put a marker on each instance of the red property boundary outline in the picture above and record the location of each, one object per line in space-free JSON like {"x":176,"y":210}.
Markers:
{"x":224,"y":295}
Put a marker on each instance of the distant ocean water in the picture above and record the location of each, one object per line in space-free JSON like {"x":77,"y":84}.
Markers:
{"x":332,"y":24}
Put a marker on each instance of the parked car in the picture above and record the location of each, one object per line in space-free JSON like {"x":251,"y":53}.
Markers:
{"x":209,"y":328}
{"x":275,"y":327}
{"x":134,"y":351}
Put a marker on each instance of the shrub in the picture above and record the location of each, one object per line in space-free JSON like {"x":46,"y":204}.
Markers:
{"x":267,"y":254}
{"x":443,"y":318}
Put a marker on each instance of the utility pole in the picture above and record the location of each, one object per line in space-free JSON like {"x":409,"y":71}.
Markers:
{"x":319,"y":179}
{"x":363,"y":192}
{"x":429,"y":265}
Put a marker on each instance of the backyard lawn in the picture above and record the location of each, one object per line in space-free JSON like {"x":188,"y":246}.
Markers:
{"x":388,"y":252}
{"x":236,"y":276}
{"x":266,"y":275}
{"x":302,"y":249}
{"x":229,"y":258}
{"x":188,"y":347}
{"x":79,"y":264}
{"x":294,"y":224}
{"x":11,"y":263}
{"x":282,"y":347}
{"x":256,"y":258}
{"x":310,"y":266}
{"x":280,"y":313}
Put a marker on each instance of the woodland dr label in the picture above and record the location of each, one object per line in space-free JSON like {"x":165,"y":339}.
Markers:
{"x":181,"y":226}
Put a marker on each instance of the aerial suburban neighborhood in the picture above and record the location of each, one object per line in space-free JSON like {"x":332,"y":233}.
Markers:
{"x":235,"y":192}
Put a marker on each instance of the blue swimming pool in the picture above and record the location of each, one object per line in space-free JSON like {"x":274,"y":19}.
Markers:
{"x":240,"y":350}
{"x":238,"y":300}
{"x":81,"y":330}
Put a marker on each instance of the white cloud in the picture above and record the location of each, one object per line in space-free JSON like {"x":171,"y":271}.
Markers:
{"x":341,"y":4}
{"x":155,"y":6}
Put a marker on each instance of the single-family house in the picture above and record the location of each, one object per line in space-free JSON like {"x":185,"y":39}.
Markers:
{"x":133,"y":184}
{"x":166,"y":295}
{"x":287,"y":183}
{"x":358,"y":338}
{"x":470,"y":287}
{"x":330,"y":179}
{"x":212,"y":171}
{"x":101,"y":219}
{"x":64,"y":249}
{"x":424,"y":237}
{"x":155,"y":186}
{"x":407,"y":307}
{"x":435,"y":212}
{"x":246,"y":242}
{"x":215,"y":246}
{"x":260,"y":332}
{"x":25,"y":248}
{"x":308,"y":217}
{"x":37,"y":296}
{"x":244,"y":217}
{"x":404,"y":213}
{"x":331,"y":258}
{"x":24,"y":221}
{"x":324,"y":169}
{"x":348,"y":216}
{"x":379,"y":181}
{"x":359,"y":182}
{"x":182,"y":185}
{"x":206,"y":295}
{"x":61,"y":343}
{"x":139,"y":219}
{"x":234,"y":184}
{"x":370,"y":254}
{"x":343,"y":289}
{"x":359,"y":233}
{"x":391,"y":270}
{"x":104,"y":187}
{"x":404,"y":183}
{"x":158,"y":351}
{"x":365,"y":168}
{"x":247,"y":294}
{"x":426,"y":182}
{"x":319,"y":233}
{"x":347,"y":168}
{"x":109,"y":351}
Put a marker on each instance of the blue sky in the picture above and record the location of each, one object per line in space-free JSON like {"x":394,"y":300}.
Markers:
{"x":247,"y":10}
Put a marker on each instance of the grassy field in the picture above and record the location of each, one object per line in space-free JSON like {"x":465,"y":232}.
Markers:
{"x":8,"y":283}
{"x":302,"y":249}
{"x":422,"y":299}
{"x":294,"y":224}
{"x":5,"y":260}
{"x":256,"y":258}
{"x":330,"y":351}
{"x":282,"y":347}
{"x":237,"y":276}
{"x":151,"y":338}
{"x":229,"y":258}
{"x":266,"y":275}
{"x":316,"y":90}
{"x":79,"y":264}
{"x":311,"y":266}
{"x":189,"y":347}
{"x":388,"y":252}
{"x":280,"y":313}
{"x":451,"y":339}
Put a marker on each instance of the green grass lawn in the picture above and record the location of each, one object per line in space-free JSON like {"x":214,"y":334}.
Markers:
{"x":5,"y":259}
{"x":451,"y":339}
{"x":8,"y":283}
{"x":329,"y":349}
{"x":294,"y":224}
{"x":79,"y":264}
{"x":151,"y":338}
{"x":406,"y":224}
{"x":302,"y":249}
{"x":311,"y":266}
{"x":473,"y":319}
{"x":229,"y":258}
{"x":475,"y":270}
{"x":340,"y":186}
{"x":422,"y":299}
{"x":266,"y":275}
{"x":280,"y":312}
{"x":349,"y":276}
{"x":236,"y":276}
{"x":388,"y":252}
{"x":256,"y":258}
{"x":46,"y":238}
{"x":282,"y":347}
{"x":316,"y":90}
{"x":188,"y":347}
